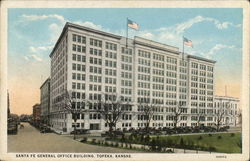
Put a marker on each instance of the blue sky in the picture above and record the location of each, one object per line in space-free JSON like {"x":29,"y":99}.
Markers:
{"x":216,"y":34}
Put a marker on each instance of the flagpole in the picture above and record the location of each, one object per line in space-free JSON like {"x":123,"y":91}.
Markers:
{"x":127,"y":35}
{"x":182,"y":47}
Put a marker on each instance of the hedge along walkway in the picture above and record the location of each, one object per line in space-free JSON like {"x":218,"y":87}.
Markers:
{"x":140,"y":147}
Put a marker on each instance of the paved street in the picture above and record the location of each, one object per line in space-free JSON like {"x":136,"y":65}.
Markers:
{"x":30,"y":139}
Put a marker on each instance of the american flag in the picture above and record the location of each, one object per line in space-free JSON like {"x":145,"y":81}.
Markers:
{"x":187,"y":42}
{"x":133,"y":25}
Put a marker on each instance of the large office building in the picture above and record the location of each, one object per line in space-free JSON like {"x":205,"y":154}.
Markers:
{"x":90,"y":62}
{"x":45,"y":101}
{"x":228,"y":107}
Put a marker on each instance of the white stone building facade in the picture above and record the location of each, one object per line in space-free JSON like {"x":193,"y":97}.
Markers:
{"x":229,"y":106}
{"x":91,"y":62}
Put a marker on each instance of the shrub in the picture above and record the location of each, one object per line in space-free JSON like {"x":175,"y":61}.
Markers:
{"x":219,"y":137}
{"x":93,"y":141}
{"x":210,"y":135}
{"x":123,"y":139}
{"x":181,"y":143}
{"x":130,"y":138}
{"x":200,"y":138}
{"x":211,"y":148}
{"x":84,"y":140}
{"x":142,"y":138}
{"x":153,"y":144}
{"x":190,"y":144}
{"x":116,"y":144}
{"x":147,"y":140}
{"x":232,"y":134}
{"x":169,"y":142}
{"x":106,"y":143}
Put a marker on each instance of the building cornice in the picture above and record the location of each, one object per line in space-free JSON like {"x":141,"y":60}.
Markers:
{"x":156,"y":47}
{"x":47,"y":80}
{"x":200,"y":58}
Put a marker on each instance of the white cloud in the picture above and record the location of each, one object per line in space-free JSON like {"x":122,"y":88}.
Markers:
{"x":40,"y":48}
{"x":42,"y":17}
{"x":214,"y":50}
{"x":180,"y":28}
{"x":36,"y":58}
{"x":33,"y":57}
{"x":88,"y":24}
{"x":171,"y":35}
{"x":26,"y":58}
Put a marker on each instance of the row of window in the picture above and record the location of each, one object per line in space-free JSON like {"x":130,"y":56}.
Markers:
{"x":126,"y":91}
{"x":78,"y":67}
{"x":79,"y":48}
{"x":97,"y":70}
{"x":126,"y":75}
{"x":80,"y":58}
{"x":78,"y":76}
{"x":95,"y":52}
{"x":79,"y":39}
{"x":127,"y":59}
{"x":111,"y":55}
{"x":80,"y":86}
{"x":110,"y":72}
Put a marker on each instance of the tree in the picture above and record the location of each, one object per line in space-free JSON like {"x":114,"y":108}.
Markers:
{"x":67,"y":102}
{"x":239,"y":115}
{"x":147,"y":109}
{"x":111,"y":108}
{"x":201,"y":115}
{"x":177,"y":112}
{"x":220,"y":112}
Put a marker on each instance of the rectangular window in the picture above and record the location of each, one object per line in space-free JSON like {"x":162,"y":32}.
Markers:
{"x":74,"y":47}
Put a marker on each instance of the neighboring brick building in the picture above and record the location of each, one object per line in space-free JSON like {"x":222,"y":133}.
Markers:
{"x":45,"y":101}
{"x":36,"y":113}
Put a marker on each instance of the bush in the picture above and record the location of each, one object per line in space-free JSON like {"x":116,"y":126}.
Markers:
{"x":93,"y":141}
{"x":181,"y":143}
{"x":232,"y":134}
{"x":84,"y":140}
{"x":169,"y":142}
{"x":210,"y":135}
{"x":106,"y":143}
{"x":116,"y":144}
{"x":153,"y":144}
{"x":211,"y":148}
{"x":219,"y":137}
{"x":147,"y":140}
{"x":190,"y":144}
{"x":123,"y":139}
{"x":200,"y":138}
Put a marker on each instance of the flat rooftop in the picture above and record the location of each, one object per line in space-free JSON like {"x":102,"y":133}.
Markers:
{"x":136,"y":40}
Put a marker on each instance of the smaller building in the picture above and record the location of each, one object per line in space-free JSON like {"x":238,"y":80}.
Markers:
{"x":228,"y":109}
{"x":36,"y":114}
{"x":45,"y":102}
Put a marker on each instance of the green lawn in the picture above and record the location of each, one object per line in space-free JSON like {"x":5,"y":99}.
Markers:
{"x":226,"y":144}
